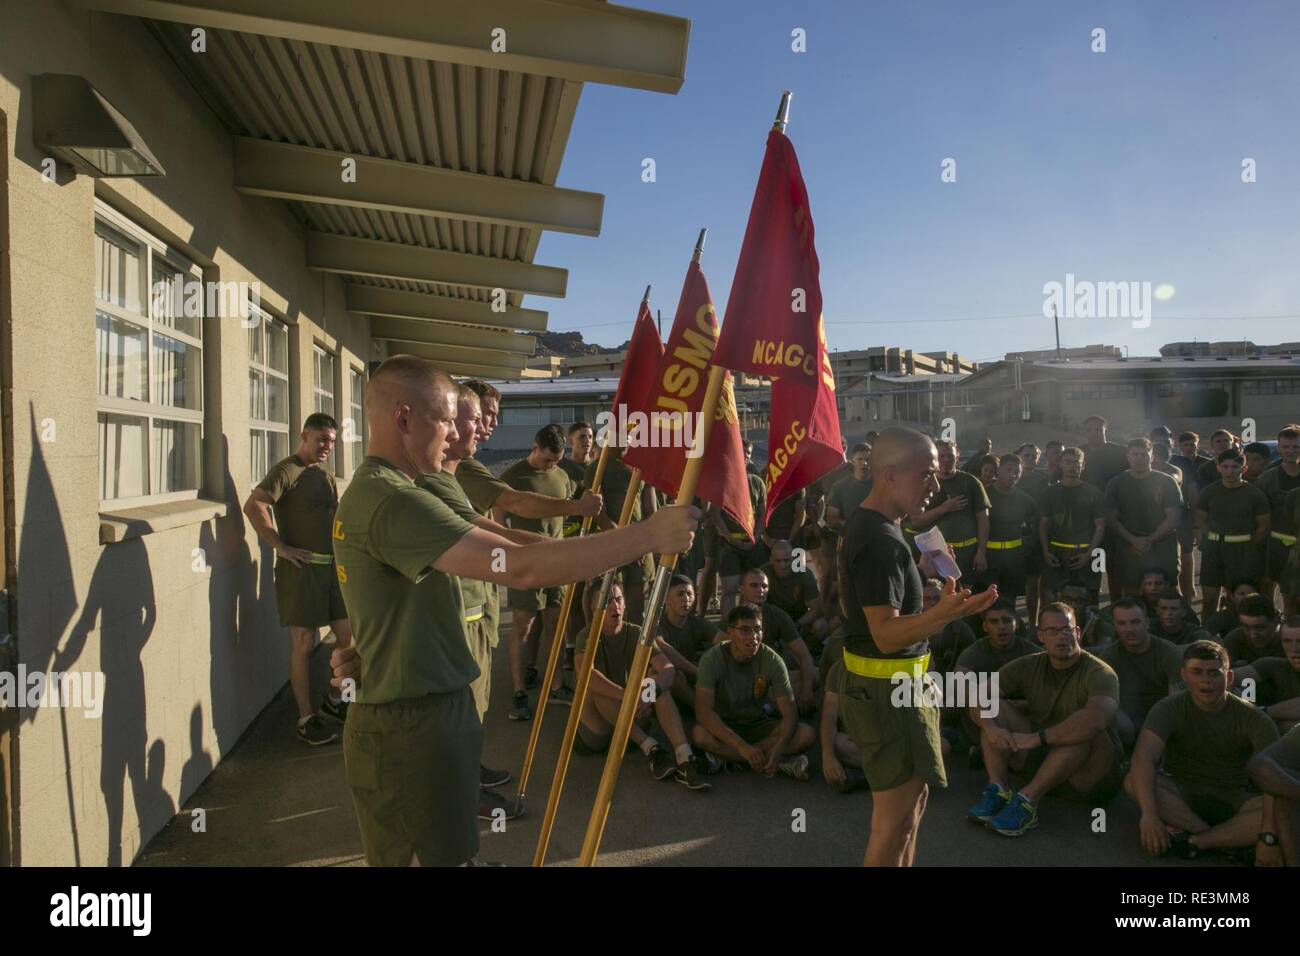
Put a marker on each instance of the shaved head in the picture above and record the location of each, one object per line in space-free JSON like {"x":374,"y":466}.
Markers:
{"x":899,"y":448}
{"x":405,"y":380}
{"x":411,"y":407}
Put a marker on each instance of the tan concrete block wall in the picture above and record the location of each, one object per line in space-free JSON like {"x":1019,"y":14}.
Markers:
{"x":190,"y":657}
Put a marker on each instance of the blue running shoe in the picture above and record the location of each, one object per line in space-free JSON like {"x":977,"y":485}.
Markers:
{"x":991,"y":803}
{"x":1017,"y":817}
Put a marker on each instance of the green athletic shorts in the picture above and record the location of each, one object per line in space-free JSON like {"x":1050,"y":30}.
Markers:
{"x":413,"y":768}
{"x":896,"y":743}
{"x":1224,"y":561}
{"x":753,"y":732}
{"x":308,"y":596}
{"x":535,"y":600}
{"x":1214,"y":805}
{"x":1103,"y":790}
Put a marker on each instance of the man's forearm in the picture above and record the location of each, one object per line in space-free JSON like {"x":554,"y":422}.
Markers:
{"x":557,"y":561}
{"x":1078,"y":728}
{"x":516,"y":535}
{"x":906,"y":630}
{"x":261,"y":522}
{"x":719,"y":729}
{"x":1284,"y":710}
{"x":1272,"y":777}
{"x":1144,"y":783}
{"x":1167,"y":527}
{"x":529,"y":504}
{"x":981,"y":530}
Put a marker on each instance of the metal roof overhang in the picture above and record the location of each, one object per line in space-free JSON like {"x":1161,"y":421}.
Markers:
{"x":456,"y":147}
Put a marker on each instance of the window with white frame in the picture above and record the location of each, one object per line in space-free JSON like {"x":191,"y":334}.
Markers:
{"x":357,"y":416}
{"x":149,"y":305}
{"x":322,"y":392}
{"x":268,"y":391}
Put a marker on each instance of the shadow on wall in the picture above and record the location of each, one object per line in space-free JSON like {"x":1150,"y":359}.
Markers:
{"x":234,"y":618}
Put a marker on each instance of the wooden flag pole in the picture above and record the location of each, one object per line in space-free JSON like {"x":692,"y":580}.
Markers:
{"x":584,"y":682}
{"x":654,"y":609}
{"x":557,"y":642}
{"x":562,"y":626}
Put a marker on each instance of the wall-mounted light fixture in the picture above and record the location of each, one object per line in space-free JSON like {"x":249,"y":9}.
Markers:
{"x":73,"y":122}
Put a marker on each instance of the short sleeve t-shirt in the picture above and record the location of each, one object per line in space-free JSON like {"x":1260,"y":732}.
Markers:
{"x":1051,"y":695}
{"x":692,"y":639}
{"x":1209,"y":749}
{"x":782,"y":520}
{"x":1104,"y":462}
{"x":876,"y":568}
{"x":1232,"y":510}
{"x":446,"y":487}
{"x":1072,"y":513}
{"x":1143,"y":678}
{"x":1278,"y":680}
{"x":1242,"y":651}
{"x":304,"y":499}
{"x":551,"y":482}
{"x":613,"y":486}
{"x":741,"y":687}
{"x":1012,"y":515}
{"x":848,"y":493}
{"x":1034,"y":483}
{"x":983,"y":658}
{"x":1276,"y":485}
{"x":757,"y":501}
{"x":948,"y":645}
{"x":481,"y":486}
{"x":779,"y":631}
{"x":407,"y":619}
{"x":1141,"y":502}
{"x":792,"y":592}
{"x":959,"y":526}
{"x":577,"y":475}
{"x":614,"y":652}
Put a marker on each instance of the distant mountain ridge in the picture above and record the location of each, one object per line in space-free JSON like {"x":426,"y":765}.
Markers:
{"x":571,"y":345}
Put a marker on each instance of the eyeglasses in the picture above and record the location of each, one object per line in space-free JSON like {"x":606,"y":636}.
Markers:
{"x":1055,"y":631}
{"x":749,"y":630}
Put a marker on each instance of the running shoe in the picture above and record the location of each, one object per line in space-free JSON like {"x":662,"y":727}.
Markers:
{"x":796,"y":767}
{"x":315,"y":732}
{"x":1016,"y":818}
{"x":661,"y":764}
{"x":519,"y":709}
{"x":688,"y":775}
{"x":992,"y":800}
{"x":493,"y":806}
{"x":561,"y":695}
{"x":334,"y":709}
{"x":492,"y":778}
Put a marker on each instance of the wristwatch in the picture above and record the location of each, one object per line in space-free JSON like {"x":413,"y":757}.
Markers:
{"x":1268,"y":839}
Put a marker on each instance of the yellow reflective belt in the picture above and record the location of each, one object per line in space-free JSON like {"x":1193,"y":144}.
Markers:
{"x":1228,"y":538}
{"x":1006,"y":545}
{"x":1287,"y":539}
{"x":883,"y":668}
{"x":473,"y":614}
{"x":1062,"y":544}
{"x":317,"y":558}
{"x":964,"y":544}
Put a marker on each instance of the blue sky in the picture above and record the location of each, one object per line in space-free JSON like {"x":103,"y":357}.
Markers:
{"x":1115,"y":166}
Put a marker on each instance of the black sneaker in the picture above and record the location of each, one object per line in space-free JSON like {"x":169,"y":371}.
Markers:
{"x":561,"y":695}
{"x":315,"y":732}
{"x":709,"y":763}
{"x":530,"y":677}
{"x":661,"y":764}
{"x":493,"y":806}
{"x":688,"y":775}
{"x":493,"y":778}
{"x":334,"y":709}
{"x":519,"y":710}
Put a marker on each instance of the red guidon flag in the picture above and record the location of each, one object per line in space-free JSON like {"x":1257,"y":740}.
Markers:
{"x":674,"y":403}
{"x":628,"y":414}
{"x":774,"y":327}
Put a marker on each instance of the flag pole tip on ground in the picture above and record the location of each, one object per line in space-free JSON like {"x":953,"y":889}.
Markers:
{"x":783,"y":112}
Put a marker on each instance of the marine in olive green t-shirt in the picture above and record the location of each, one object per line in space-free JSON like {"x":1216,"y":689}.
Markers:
{"x":740,"y":688}
{"x":1232,"y":510}
{"x":480,"y":485}
{"x":407,"y":619}
{"x":614,"y":652}
{"x":304,"y":499}
{"x":552,"y":482}
{"x":692,"y":639}
{"x":1143,"y":678}
{"x":983,"y":658}
{"x":848,"y":493}
{"x":791,"y":593}
{"x":1050,"y":694}
{"x":448,"y":489}
{"x":1206,"y":749}
{"x":1278,"y":680}
{"x":960,"y":527}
